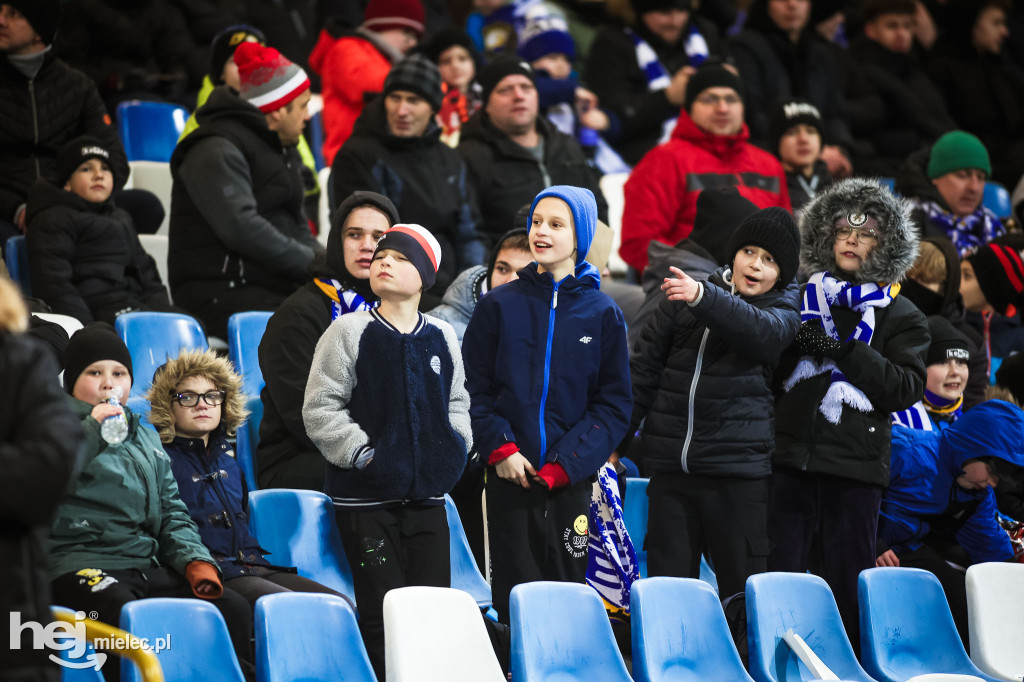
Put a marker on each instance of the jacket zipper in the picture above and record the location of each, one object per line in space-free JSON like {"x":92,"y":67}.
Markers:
{"x":544,"y":173}
{"x":689,"y":406}
{"x":35,"y":123}
{"x":547,"y":375}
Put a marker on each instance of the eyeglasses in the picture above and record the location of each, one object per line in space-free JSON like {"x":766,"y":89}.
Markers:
{"x":864,"y":235}
{"x":190,"y":399}
{"x":710,"y":99}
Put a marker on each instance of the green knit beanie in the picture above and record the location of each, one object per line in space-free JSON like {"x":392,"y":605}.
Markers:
{"x":956,"y":151}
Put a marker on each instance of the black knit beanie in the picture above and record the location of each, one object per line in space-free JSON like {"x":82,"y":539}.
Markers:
{"x":947,"y":342}
{"x":418,"y":75}
{"x":710,"y":75}
{"x":94,"y":342}
{"x":719,"y":212}
{"x":642,"y":7}
{"x":774,"y":230}
{"x":43,"y":15}
{"x":1000,"y":274}
{"x":78,"y":151}
{"x":790,"y":113}
{"x":503,"y":65}
{"x":1010,"y":376}
{"x":223,"y":47}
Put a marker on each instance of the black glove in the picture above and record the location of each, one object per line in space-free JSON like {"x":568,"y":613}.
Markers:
{"x":814,"y":341}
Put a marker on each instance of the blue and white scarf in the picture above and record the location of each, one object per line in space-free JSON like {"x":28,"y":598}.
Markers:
{"x":914,"y":417}
{"x":343,"y":300}
{"x":823,"y":291}
{"x":969,"y":233}
{"x":612,"y":566}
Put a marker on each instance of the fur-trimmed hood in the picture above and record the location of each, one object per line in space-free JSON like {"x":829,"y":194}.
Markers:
{"x":896,"y":250}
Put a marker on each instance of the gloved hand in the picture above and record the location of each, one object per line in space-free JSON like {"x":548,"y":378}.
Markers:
{"x":204,"y":580}
{"x":813,"y":340}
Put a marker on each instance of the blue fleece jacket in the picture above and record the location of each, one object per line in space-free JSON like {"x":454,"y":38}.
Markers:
{"x":923,"y":493}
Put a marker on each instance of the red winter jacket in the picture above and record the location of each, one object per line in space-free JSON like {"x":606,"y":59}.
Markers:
{"x":661,"y":193}
{"x":350,"y":66}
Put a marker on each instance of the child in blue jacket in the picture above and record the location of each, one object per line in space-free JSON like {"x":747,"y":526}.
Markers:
{"x":547,"y":369}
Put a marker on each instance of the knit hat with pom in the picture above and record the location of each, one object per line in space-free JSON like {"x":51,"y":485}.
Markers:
{"x":269,"y":80}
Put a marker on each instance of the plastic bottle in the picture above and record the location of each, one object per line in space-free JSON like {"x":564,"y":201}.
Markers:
{"x":114,"y":429}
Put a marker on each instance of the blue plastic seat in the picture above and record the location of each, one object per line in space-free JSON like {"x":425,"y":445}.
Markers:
{"x":16,"y":258}
{"x":888,"y":183}
{"x":561,"y":632}
{"x":150,"y":130}
{"x":997,"y":200}
{"x":906,"y":628}
{"x":305,"y":636}
{"x":466,"y":574}
{"x":88,"y":655}
{"x":245,"y":331}
{"x":297,"y":527}
{"x":777,"y":602}
{"x":152,"y":338}
{"x":199,"y":645}
{"x":672,"y":643}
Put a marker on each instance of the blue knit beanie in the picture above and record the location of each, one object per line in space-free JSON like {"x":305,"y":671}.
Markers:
{"x":583,"y":207}
{"x":544,"y":35}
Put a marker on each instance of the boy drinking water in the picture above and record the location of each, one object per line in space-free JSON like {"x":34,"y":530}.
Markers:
{"x":701,"y":373}
{"x":387,"y":406}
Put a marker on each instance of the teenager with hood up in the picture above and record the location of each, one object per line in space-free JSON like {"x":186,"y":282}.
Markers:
{"x":859,"y":355}
{"x":340,"y":284}
{"x":941,"y":492}
{"x":547,"y":370}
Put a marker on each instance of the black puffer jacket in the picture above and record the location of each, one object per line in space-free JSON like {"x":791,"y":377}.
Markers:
{"x":39,"y":439}
{"x":426,"y":180}
{"x":506,"y":176}
{"x":286,"y":457}
{"x":85,"y":259}
{"x":702,"y":378}
{"x":890,"y":371}
{"x":40,"y":116}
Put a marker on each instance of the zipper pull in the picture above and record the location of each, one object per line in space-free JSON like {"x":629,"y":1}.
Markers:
{"x":554,"y":300}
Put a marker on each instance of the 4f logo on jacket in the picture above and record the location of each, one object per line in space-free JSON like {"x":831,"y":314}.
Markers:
{"x":586,"y":339}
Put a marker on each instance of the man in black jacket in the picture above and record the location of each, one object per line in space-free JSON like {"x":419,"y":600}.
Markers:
{"x":512,"y":154}
{"x":239,"y":239}
{"x":396,"y":150}
{"x":43,"y":105}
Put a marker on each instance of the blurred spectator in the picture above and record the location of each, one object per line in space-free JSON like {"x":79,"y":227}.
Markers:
{"x":338,"y":282}
{"x":709,"y":149}
{"x":238,"y":238}
{"x":983,"y":88}
{"x":133,"y":49}
{"x":796,"y":136}
{"x":946,"y":184}
{"x":948,"y":365}
{"x":84,"y":255}
{"x":640,"y":72}
{"x":458,"y":62}
{"x":912,"y":111}
{"x":396,"y":150}
{"x":353,"y":62}
{"x":778,"y":56}
{"x":512,"y":153}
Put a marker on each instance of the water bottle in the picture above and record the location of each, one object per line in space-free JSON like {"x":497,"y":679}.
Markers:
{"x":114,"y":429}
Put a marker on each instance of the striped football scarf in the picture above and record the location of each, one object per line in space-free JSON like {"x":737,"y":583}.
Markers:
{"x":343,"y":300}
{"x":821,"y":293}
{"x":612,"y":566}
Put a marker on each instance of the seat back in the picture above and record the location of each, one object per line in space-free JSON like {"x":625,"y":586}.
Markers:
{"x":245,"y":331}
{"x":155,"y":177}
{"x":152,"y":338}
{"x":561,"y":631}
{"x":156,"y":245}
{"x":613,"y":188}
{"x":196,"y":641}
{"x":150,"y":130}
{"x":324,"y":206}
{"x":16,"y":258}
{"x":906,"y":628}
{"x":997,"y":200}
{"x":466,"y":574}
{"x":995,"y":593}
{"x":888,"y":183}
{"x":305,"y":636}
{"x":681,"y":644}
{"x":436,"y":634}
{"x":297,"y":527}
{"x":777,"y":602}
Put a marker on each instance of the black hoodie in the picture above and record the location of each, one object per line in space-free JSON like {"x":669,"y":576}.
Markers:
{"x":285,"y":457}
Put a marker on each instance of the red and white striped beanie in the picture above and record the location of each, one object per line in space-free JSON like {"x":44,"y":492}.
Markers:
{"x":417,"y":244}
{"x":269,"y":80}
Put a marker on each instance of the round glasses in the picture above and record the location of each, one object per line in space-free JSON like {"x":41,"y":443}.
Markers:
{"x":864,"y":235}
{"x":190,"y":399}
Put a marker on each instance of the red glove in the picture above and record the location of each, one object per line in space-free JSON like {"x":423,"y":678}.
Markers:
{"x":502,"y":453}
{"x":204,"y":580}
{"x":553,"y":475}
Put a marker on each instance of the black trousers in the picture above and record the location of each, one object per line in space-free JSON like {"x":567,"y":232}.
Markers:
{"x":827,"y":525}
{"x":726,"y":518}
{"x":265,"y":581}
{"x":954,"y":584}
{"x":390,"y":548}
{"x":535,"y":534}
{"x":105,"y":591}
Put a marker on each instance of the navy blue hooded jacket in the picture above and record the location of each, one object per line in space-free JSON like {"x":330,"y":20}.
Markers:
{"x":923,"y":494}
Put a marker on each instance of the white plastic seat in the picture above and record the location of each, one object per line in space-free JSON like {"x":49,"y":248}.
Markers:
{"x":155,"y":176}
{"x":612,"y":187}
{"x":436,"y":634}
{"x":156,"y":245}
{"x":324,"y":177}
{"x":995,"y":618}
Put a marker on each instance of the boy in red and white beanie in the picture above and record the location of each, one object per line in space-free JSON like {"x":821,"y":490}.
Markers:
{"x":268,"y":80}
